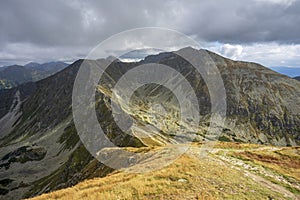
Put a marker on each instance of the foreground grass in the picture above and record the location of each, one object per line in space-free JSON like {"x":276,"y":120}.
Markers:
{"x":282,"y":162}
{"x":285,"y":161}
{"x":187,"y":178}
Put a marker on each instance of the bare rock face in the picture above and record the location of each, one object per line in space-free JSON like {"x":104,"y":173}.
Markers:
{"x":262,"y":105}
{"x":41,"y":151}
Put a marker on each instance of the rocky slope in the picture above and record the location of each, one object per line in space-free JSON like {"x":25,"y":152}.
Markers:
{"x":40,"y":150}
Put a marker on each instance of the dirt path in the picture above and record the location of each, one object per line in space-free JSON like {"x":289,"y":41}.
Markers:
{"x":245,"y":168}
{"x":265,"y":183}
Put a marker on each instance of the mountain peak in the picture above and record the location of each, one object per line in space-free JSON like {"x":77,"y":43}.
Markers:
{"x":188,"y":48}
{"x":32,"y":64}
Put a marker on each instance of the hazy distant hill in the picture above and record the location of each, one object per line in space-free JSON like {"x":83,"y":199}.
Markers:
{"x":49,"y":67}
{"x":12,"y":76}
{"x":40,"y":150}
{"x":289,"y":71}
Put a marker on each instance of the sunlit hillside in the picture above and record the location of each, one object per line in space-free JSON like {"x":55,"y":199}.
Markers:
{"x":231,"y":171}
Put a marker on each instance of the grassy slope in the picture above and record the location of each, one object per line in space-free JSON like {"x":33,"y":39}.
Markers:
{"x":232,"y":171}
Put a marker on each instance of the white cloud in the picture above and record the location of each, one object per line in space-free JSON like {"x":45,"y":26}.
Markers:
{"x":280,"y":2}
{"x":22,"y":53}
{"x":267,"y":54}
{"x":129,"y":60}
{"x":231,"y":51}
{"x":57,"y":30}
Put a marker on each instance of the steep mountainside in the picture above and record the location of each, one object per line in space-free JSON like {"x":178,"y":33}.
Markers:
{"x":40,"y":150}
{"x":297,"y":78}
{"x":15,"y":75}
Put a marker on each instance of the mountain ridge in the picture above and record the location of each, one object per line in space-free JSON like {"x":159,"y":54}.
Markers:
{"x":262,"y":108}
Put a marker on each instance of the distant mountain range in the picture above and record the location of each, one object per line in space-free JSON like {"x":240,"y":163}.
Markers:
{"x":14,"y":75}
{"x":289,"y":71}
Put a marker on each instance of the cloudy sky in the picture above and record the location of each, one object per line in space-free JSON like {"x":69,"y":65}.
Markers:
{"x":264,"y":31}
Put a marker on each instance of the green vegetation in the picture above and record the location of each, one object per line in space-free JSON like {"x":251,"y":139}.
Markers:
{"x":69,"y":138}
{"x":76,"y":162}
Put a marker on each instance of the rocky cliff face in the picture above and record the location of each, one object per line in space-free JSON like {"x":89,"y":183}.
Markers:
{"x":41,"y":151}
{"x":263,"y":106}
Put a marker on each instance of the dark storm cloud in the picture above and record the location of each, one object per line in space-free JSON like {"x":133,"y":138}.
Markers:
{"x":55,"y":27}
{"x":75,"y":22}
{"x":68,"y":22}
{"x":245,"y":21}
{"x":40,"y":22}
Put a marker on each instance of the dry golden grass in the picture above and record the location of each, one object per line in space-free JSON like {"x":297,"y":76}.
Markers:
{"x":186,"y":178}
{"x":285,"y":161}
{"x":236,"y":145}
